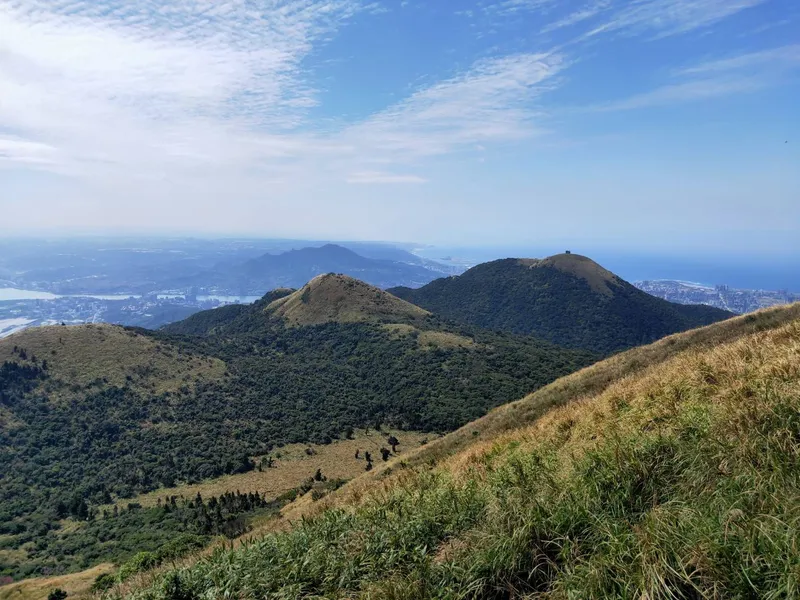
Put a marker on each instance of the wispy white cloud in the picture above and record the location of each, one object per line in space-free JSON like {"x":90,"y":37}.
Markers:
{"x":152,"y":91}
{"x":133,"y":85}
{"x":583,"y":14}
{"x":378,"y":177}
{"x":773,"y":59}
{"x":495,"y":100}
{"x":743,"y":73}
{"x":685,"y":92}
{"x":670,"y":17}
{"x":511,"y":7}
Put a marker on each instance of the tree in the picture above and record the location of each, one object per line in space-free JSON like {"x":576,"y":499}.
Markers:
{"x":318,"y":476}
{"x":57,"y":594}
{"x":78,"y":508}
{"x":393,"y":442}
{"x":385,"y":454}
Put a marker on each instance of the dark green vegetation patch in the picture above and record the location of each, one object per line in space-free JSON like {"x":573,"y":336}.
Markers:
{"x":566,"y":299}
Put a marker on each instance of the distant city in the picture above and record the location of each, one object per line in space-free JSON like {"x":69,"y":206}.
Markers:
{"x":151,"y":311}
{"x":720,"y":296}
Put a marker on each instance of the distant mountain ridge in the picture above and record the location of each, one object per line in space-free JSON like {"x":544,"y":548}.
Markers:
{"x":567,"y":299}
{"x":294,"y":268}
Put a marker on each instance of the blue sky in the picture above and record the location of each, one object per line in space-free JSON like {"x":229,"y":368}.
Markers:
{"x":656,"y":126}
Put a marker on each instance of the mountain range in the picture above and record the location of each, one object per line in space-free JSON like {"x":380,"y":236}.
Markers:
{"x":295,"y":267}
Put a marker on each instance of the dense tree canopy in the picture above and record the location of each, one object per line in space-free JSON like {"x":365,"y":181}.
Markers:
{"x":566,"y":309}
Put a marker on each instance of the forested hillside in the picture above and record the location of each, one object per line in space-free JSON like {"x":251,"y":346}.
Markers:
{"x":567,"y":299}
{"x":91,"y":414}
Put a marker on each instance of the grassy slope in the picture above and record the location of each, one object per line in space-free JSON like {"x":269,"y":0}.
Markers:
{"x":81,"y":355}
{"x":77,"y":585}
{"x":342,"y":299}
{"x":668,"y":472}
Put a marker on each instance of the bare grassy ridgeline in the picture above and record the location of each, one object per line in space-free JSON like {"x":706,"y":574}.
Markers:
{"x":107,"y":355}
{"x":342,"y":299}
{"x":671,"y":471}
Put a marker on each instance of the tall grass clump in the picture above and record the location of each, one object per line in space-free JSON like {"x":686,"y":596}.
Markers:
{"x":679,"y":482}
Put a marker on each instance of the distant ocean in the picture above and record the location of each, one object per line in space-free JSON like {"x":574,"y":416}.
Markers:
{"x":767,"y":275}
{"x":745,"y":273}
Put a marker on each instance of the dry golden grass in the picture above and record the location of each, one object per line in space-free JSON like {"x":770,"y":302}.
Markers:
{"x":77,"y":585}
{"x":336,"y":461}
{"x":83,"y":354}
{"x":342,"y":299}
{"x":696,"y":382}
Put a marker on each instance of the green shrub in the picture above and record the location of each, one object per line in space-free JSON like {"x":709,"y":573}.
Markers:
{"x":181,"y":546}
{"x":141,"y":561}
{"x":103,"y":582}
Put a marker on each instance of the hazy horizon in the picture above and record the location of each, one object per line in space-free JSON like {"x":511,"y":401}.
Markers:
{"x":741,"y":269}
